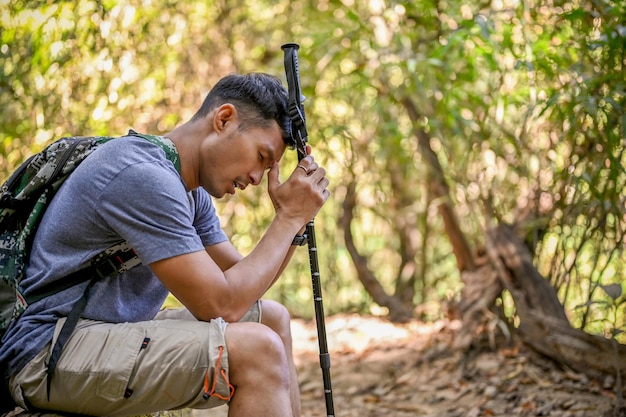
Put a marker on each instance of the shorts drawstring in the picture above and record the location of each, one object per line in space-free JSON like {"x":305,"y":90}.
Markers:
{"x":218,"y":371}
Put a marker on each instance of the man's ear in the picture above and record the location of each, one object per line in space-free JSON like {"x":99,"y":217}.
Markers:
{"x":224,"y":114}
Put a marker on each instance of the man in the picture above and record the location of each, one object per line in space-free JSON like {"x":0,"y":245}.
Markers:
{"x":127,"y":358}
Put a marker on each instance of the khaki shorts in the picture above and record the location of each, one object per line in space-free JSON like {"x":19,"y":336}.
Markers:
{"x":125,"y":369}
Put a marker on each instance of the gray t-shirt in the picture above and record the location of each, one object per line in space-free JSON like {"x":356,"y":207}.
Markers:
{"x":125,"y":190}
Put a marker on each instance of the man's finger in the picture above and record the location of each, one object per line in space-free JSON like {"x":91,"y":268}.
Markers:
{"x":273,"y":178}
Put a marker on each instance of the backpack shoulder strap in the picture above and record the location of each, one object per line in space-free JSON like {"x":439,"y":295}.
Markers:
{"x":165,"y":143}
{"x":46,"y":169}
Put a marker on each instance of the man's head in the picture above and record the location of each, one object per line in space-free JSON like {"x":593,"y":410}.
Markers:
{"x":241,"y":131}
{"x":259,"y":99}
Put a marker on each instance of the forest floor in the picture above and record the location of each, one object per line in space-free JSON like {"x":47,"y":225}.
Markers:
{"x":384,"y":369}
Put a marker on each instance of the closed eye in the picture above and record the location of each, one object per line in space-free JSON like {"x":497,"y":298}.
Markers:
{"x":262,"y":159}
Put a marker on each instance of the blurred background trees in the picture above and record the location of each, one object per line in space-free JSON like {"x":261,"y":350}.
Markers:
{"x":434,"y":119}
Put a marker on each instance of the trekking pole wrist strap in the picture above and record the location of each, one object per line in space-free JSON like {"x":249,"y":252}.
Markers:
{"x":300,"y":240}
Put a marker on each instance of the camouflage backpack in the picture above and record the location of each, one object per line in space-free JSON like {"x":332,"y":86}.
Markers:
{"x":24,"y":198}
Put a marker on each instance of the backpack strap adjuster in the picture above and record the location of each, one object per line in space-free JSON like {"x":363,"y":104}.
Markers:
{"x":116,"y":259}
{"x":106,"y":267}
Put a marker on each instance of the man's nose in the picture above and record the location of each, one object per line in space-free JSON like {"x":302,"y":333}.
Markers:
{"x":256,"y":176}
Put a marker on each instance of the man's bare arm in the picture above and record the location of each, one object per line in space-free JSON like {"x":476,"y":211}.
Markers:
{"x":198,"y":282}
{"x":221,"y":287}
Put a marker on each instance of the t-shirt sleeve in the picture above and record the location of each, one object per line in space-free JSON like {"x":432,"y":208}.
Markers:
{"x":149,"y":207}
{"x":206,"y":221}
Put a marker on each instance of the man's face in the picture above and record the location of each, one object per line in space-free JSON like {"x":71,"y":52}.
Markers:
{"x":239,"y":158}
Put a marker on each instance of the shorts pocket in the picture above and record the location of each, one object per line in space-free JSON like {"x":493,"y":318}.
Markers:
{"x":101,"y":357}
{"x":115,"y":374}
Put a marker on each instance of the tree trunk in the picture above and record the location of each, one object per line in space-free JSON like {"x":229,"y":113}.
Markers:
{"x":440,"y":192}
{"x":544,"y":326}
{"x":481,"y":288}
{"x":397,"y":311}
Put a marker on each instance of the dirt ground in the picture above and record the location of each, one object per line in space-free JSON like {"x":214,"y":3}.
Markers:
{"x":382,"y":369}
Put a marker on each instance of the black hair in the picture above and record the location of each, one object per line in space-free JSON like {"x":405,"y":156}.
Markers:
{"x":259,"y":98}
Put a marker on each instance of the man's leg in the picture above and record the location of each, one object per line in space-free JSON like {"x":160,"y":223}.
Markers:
{"x":137,"y":368}
{"x":259,"y":371}
{"x":277,"y":318}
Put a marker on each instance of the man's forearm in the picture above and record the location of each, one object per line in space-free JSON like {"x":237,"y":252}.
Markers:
{"x":256,"y":273}
{"x":287,"y":259}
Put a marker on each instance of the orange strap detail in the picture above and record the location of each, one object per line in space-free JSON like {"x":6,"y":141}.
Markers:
{"x":218,"y":371}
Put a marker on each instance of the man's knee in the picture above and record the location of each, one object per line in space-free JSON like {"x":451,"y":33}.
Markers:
{"x":276,"y":316}
{"x":255,"y":351}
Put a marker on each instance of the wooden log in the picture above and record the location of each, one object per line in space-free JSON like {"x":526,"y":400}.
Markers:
{"x":23,"y":413}
{"x":19,"y":412}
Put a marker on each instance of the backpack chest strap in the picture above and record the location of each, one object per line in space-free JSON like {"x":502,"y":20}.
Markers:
{"x":114,"y":260}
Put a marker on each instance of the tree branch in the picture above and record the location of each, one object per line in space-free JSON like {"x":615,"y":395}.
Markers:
{"x":397,"y":312}
{"x":440,"y":192}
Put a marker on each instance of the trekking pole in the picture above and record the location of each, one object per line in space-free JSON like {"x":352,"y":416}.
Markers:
{"x":300,"y":135}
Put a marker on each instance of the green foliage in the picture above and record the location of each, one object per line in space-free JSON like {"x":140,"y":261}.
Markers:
{"x":522,"y":104}
{"x":606,"y":313}
{"x":583,"y":249}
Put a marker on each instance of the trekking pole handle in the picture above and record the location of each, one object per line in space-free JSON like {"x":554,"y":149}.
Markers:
{"x":295,"y":106}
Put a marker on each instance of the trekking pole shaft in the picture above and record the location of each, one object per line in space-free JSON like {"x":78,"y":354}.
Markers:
{"x":319,"y":319}
{"x":300,"y":135}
